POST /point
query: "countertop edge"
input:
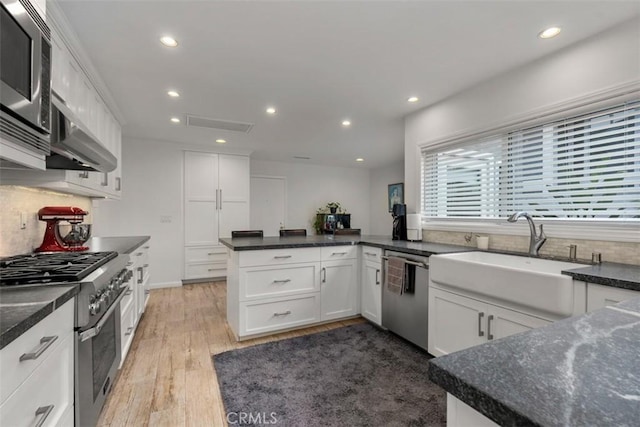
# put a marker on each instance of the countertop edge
(605, 281)
(10, 335)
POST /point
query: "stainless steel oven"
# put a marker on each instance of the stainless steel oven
(25, 55)
(98, 358)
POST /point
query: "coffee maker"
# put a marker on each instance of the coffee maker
(399, 214)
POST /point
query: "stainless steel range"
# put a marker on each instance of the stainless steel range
(103, 281)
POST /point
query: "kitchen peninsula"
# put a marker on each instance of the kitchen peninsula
(280, 283)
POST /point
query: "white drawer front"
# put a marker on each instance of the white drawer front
(369, 253)
(127, 331)
(276, 281)
(127, 300)
(278, 256)
(205, 271)
(205, 254)
(332, 253)
(50, 384)
(58, 324)
(265, 316)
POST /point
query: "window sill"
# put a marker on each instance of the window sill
(564, 229)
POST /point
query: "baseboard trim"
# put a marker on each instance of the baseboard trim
(164, 285)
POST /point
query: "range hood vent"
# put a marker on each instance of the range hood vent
(205, 122)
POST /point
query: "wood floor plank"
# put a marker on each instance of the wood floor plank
(173, 417)
(169, 391)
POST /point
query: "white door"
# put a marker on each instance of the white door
(268, 204)
(371, 291)
(455, 322)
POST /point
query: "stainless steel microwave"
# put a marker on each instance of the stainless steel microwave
(25, 69)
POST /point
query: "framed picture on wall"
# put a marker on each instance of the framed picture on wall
(395, 194)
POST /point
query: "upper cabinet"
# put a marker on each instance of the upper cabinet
(73, 85)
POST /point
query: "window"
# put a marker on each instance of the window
(581, 167)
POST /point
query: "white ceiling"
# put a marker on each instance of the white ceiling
(317, 62)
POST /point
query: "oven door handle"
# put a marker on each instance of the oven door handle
(90, 333)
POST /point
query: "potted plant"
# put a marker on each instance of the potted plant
(333, 207)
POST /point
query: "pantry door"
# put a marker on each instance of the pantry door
(268, 203)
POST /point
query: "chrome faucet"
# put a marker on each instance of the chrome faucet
(535, 240)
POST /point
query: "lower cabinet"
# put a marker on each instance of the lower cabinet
(371, 284)
(273, 290)
(457, 322)
(205, 262)
(599, 296)
(38, 376)
(140, 280)
(127, 325)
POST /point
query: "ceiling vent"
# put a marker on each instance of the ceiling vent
(205, 122)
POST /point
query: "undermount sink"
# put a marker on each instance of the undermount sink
(531, 282)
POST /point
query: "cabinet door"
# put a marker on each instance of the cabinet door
(502, 322)
(599, 296)
(455, 322)
(233, 192)
(201, 206)
(371, 291)
(339, 289)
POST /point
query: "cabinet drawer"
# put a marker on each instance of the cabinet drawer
(278, 256)
(205, 254)
(58, 324)
(51, 384)
(277, 281)
(370, 253)
(331, 253)
(127, 330)
(205, 271)
(128, 298)
(270, 315)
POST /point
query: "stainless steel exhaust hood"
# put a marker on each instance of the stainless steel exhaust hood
(73, 146)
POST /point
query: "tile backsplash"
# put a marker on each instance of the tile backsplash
(15, 200)
(622, 252)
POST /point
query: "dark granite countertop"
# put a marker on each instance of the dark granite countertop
(123, 245)
(23, 307)
(579, 371)
(625, 276)
(416, 248)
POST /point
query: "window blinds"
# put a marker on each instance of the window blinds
(586, 166)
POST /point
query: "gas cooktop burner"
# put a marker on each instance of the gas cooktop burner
(43, 267)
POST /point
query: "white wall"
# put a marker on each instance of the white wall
(606, 60)
(381, 221)
(151, 189)
(310, 187)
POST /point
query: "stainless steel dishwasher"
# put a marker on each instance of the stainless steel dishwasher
(407, 315)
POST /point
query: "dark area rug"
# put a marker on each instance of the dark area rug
(352, 376)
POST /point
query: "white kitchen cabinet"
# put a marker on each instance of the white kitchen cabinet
(40, 388)
(127, 327)
(339, 289)
(457, 322)
(599, 296)
(371, 284)
(216, 201)
(140, 281)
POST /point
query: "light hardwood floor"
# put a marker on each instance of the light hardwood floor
(168, 377)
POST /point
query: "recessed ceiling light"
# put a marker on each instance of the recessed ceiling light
(175, 120)
(173, 94)
(271, 110)
(413, 99)
(221, 141)
(549, 32)
(359, 159)
(168, 41)
(346, 123)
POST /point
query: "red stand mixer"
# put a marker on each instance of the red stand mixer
(64, 237)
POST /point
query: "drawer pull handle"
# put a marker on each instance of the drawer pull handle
(282, 256)
(145, 247)
(130, 263)
(489, 319)
(370, 253)
(211, 269)
(44, 411)
(128, 292)
(45, 343)
(480, 331)
(211, 253)
(284, 313)
(139, 254)
(129, 331)
(338, 253)
(324, 274)
(282, 281)
(377, 276)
